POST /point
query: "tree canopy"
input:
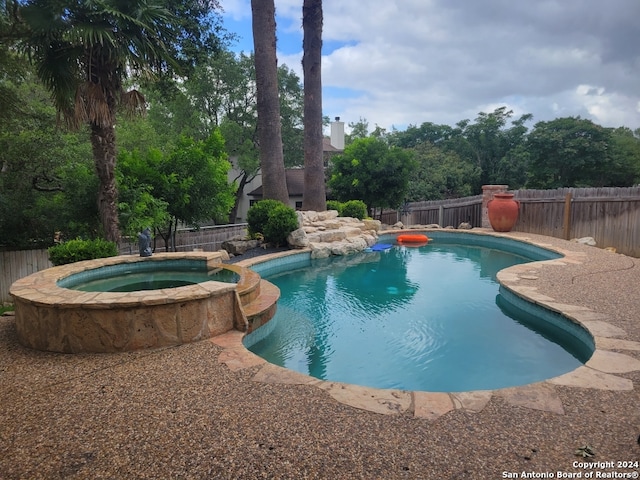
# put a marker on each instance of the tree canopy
(372, 171)
(568, 152)
(187, 184)
(85, 51)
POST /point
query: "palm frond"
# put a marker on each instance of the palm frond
(133, 102)
(85, 50)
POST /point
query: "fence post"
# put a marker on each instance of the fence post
(566, 223)
(488, 191)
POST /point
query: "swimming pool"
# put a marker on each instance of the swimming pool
(417, 318)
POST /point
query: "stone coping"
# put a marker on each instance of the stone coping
(598, 373)
(50, 317)
(41, 287)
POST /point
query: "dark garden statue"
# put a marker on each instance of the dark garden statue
(144, 242)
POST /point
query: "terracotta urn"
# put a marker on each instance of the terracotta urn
(503, 212)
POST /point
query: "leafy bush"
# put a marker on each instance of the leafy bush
(354, 208)
(282, 221)
(335, 205)
(78, 249)
(273, 220)
(258, 215)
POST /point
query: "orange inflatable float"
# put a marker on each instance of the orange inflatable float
(414, 238)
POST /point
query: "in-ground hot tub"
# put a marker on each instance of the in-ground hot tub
(129, 302)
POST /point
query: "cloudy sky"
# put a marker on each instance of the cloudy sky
(402, 62)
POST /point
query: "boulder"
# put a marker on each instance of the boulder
(307, 218)
(585, 241)
(372, 225)
(320, 250)
(327, 234)
(350, 231)
(369, 239)
(344, 248)
(298, 238)
(238, 247)
(328, 215)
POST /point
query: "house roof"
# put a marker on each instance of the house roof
(327, 147)
(295, 183)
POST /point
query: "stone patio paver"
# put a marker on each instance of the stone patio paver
(387, 402)
(432, 405)
(585, 377)
(538, 396)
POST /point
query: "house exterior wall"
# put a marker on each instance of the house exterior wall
(295, 201)
(244, 204)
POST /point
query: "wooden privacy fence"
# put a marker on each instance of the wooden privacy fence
(17, 264)
(207, 239)
(610, 215)
(450, 212)
(20, 263)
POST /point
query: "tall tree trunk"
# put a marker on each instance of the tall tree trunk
(315, 197)
(274, 184)
(103, 143)
(244, 179)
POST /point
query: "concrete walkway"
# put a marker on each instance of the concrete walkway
(214, 410)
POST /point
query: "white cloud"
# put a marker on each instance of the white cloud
(237, 9)
(442, 61)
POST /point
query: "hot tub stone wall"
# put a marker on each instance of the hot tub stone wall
(57, 319)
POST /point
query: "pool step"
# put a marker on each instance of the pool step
(249, 285)
(263, 307)
(258, 297)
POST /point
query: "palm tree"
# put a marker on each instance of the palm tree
(314, 188)
(83, 52)
(274, 185)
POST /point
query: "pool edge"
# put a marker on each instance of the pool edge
(598, 372)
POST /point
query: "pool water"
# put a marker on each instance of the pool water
(133, 280)
(425, 318)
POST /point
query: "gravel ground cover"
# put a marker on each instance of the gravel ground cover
(178, 413)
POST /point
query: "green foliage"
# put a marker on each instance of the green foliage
(196, 187)
(624, 158)
(188, 184)
(334, 205)
(273, 219)
(78, 250)
(568, 152)
(359, 129)
(372, 171)
(440, 174)
(140, 134)
(47, 179)
(140, 188)
(281, 222)
(258, 215)
(489, 143)
(354, 209)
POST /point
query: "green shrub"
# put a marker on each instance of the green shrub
(258, 215)
(335, 205)
(78, 249)
(354, 208)
(282, 221)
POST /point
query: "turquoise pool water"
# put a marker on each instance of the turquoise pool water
(430, 318)
(131, 277)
